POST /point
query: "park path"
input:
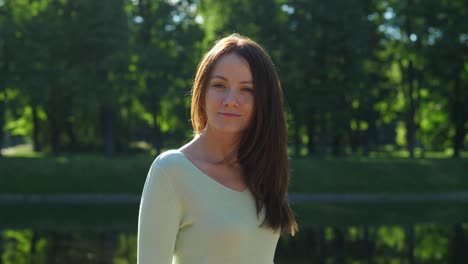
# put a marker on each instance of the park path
(459, 197)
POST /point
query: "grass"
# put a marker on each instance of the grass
(73, 174)
(377, 175)
(22, 171)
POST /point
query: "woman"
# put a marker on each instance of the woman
(222, 198)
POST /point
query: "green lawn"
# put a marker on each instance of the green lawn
(73, 174)
(87, 173)
(379, 175)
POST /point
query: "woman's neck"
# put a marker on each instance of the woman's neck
(217, 147)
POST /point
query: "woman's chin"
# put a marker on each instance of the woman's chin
(230, 130)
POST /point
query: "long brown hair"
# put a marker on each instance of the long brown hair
(262, 149)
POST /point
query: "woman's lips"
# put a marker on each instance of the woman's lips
(229, 115)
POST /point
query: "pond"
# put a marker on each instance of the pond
(329, 233)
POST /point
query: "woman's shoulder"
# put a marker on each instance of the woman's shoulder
(168, 158)
(172, 166)
(169, 161)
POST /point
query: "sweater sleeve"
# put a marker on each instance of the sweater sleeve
(158, 220)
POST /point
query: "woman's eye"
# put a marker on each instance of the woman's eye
(218, 85)
(250, 90)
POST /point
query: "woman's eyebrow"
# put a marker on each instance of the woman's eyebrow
(224, 78)
(220, 77)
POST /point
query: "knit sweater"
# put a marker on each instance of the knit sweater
(187, 217)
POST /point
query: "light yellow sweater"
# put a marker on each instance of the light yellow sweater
(186, 217)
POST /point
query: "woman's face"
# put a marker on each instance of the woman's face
(229, 98)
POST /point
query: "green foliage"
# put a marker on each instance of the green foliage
(97, 75)
(17, 249)
(392, 237)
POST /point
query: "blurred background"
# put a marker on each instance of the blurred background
(377, 105)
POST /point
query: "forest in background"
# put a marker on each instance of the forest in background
(358, 75)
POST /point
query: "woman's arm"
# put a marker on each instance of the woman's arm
(158, 220)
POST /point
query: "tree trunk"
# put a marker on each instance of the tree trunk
(323, 136)
(4, 72)
(366, 142)
(107, 121)
(459, 116)
(459, 138)
(370, 135)
(36, 143)
(355, 139)
(297, 140)
(157, 141)
(155, 108)
(54, 115)
(72, 145)
(2, 122)
(337, 149)
(324, 82)
(54, 132)
(410, 124)
(126, 127)
(311, 134)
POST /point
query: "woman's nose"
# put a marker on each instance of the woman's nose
(231, 97)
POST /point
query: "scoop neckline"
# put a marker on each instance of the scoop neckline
(207, 176)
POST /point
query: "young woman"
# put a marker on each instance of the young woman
(222, 197)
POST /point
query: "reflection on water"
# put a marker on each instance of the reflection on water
(418, 243)
(48, 246)
(329, 233)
